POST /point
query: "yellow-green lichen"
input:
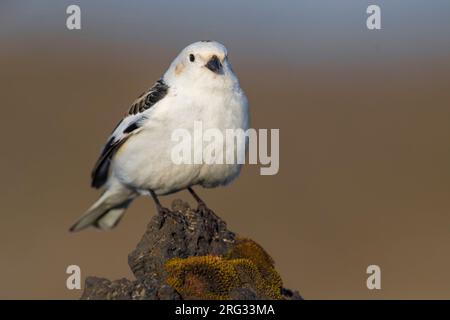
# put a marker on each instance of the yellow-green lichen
(214, 277)
(207, 277)
(248, 249)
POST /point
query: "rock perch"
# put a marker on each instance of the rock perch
(190, 254)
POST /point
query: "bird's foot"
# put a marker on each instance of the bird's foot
(202, 208)
(163, 210)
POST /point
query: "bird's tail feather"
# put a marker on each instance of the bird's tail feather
(111, 218)
(106, 212)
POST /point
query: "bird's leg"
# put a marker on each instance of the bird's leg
(201, 204)
(159, 207)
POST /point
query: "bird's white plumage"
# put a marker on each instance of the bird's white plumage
(194, 93)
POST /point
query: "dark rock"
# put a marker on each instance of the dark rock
(184, 233)
(104, 289)
(243, 294)
(290, 294)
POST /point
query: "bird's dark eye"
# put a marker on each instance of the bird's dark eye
(191, 58)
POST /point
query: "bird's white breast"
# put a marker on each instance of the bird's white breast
(144, 161)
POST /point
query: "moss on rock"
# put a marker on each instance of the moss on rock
(215, 277)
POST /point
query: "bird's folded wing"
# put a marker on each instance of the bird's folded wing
(124, 130)
(149, 98)
(101, 168)
(127, 127)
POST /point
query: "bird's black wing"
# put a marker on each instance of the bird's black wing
(149, 98)
(128, 126)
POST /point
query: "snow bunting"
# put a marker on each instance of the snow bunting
(199, 85)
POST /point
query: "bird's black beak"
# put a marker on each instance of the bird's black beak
(214, 65)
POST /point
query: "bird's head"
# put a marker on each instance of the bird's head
(203, 63)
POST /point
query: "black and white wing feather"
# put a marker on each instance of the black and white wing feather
(128, 126)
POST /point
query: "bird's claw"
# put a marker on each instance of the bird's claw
(163, 211)
(202, 208)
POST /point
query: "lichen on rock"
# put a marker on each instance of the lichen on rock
(247, 265)
(202, 277)
(190, 254)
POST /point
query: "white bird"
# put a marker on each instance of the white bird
(199, 85)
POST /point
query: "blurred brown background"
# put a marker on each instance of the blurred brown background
(364, 120)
